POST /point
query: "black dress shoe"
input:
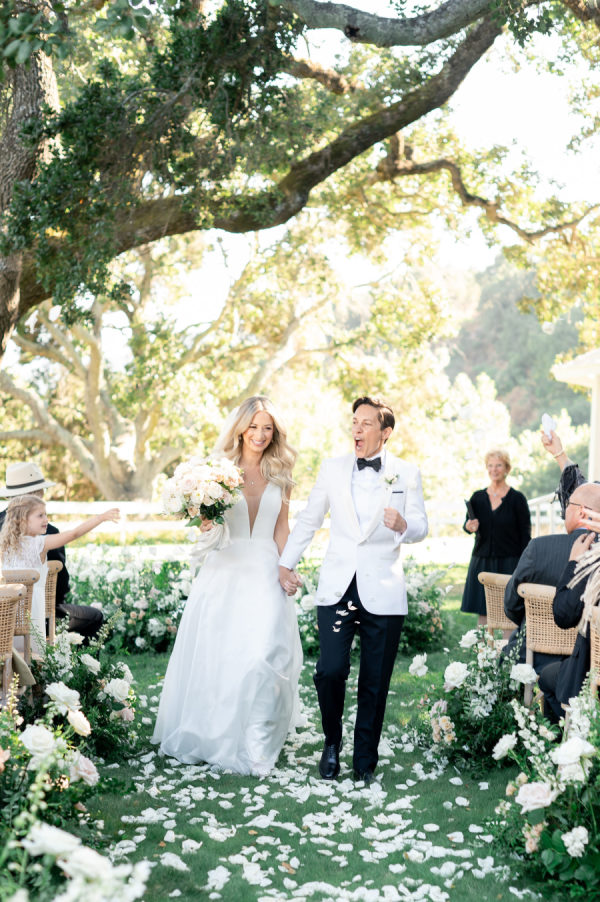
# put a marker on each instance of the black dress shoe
(329, 765)
(367, 776)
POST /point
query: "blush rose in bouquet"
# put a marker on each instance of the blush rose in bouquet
(202, 490)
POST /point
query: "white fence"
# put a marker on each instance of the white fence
(445, 518)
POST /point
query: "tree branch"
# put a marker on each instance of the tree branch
(368, 28)
(329, 78)
(26, 435)
(393, 167)
(238, 213)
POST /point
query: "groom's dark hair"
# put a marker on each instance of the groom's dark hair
(384, 413)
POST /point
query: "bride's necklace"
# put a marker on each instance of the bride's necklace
(248, 480)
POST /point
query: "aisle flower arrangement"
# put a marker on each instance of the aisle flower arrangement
(145, 599)
(70, 679)
(45, 781)
(466, 718)
(551, 816)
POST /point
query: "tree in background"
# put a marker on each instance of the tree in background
(127, 393)
(125, 122)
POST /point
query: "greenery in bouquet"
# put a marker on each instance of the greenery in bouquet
(423, 629)
(550, 819)
(149, 596)
(71, 679)
(466, 717)
(202, 489)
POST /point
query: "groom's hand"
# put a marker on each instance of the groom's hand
(393, 520)
(290, 581)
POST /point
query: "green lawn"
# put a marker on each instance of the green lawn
(416, 833)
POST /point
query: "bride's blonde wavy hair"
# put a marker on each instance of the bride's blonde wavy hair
(15, 523)
(278, 458)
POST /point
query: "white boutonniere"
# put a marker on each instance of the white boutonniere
(390, 480)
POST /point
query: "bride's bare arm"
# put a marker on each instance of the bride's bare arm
(282, 527)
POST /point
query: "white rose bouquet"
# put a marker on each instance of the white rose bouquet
(202, 490)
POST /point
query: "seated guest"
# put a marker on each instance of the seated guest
(576, 596)
(544, 561)
(27, 479)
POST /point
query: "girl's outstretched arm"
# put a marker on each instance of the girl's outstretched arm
(57, 540)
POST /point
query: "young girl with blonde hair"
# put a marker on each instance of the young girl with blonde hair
(24, 544)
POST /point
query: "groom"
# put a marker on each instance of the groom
(376, 504)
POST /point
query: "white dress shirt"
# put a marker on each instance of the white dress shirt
(367, 486)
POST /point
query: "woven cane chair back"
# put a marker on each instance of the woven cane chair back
(595, 646)
(27, 578)
(54, 568)
(543, 635)
(494, 585)
(10, 595)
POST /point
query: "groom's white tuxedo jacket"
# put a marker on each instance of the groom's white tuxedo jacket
(373, 553)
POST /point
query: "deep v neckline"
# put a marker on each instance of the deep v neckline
(262, 495)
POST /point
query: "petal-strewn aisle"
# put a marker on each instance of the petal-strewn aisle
(417, 833)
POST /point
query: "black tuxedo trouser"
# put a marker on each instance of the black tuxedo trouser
(379, 638)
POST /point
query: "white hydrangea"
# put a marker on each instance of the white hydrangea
(575, 841)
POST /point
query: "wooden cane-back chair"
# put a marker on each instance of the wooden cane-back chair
(595, 648)
(494, 585)
(23, 621)
(10, 596)
(543, 635)
(54, 568)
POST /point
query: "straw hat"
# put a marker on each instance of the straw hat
(24, 478)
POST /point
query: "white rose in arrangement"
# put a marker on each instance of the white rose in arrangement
(127, 674)
(454, 675)
(214, 492)
(38, 740)
(418, 666)
(79, 722)
(535, 795)
(92, 664)
(87, 864)
(523, 673)
(84, 769)
(469, 639)
(117, 689)
(74, 638)
(575, 841)
(66, 699)
(43, 839)
(307, 602)
(571, 751)
(504, 746)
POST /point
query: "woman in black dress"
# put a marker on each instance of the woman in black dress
(502, 526)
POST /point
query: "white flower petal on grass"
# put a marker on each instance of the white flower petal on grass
(456, 836)
(418, 666)
(218, 877)
(456, 781)
(460, 800)
(190, 845)
(431, 828)
(171, 860)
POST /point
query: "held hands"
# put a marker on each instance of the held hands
(472, 525)
(393, 520)
(206, 525)
(581, 545)
(290, 581)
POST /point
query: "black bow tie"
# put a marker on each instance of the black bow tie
(375, 463)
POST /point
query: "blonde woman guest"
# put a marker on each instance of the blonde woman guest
(25, 545)
(501, 524)
(231, 690)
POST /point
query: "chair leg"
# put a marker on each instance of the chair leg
(528, 692)
(27, 648)
(52, 628)
(6, 677)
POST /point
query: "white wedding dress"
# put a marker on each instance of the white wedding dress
(230, 695)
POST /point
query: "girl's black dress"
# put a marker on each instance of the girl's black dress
(502, 537)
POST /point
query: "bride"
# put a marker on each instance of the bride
(231, 690)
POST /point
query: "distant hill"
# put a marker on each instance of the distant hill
(515, 351)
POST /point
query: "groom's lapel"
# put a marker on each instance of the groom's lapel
(345, 487)
(385, 493)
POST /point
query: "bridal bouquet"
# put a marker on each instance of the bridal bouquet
(202, 490)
